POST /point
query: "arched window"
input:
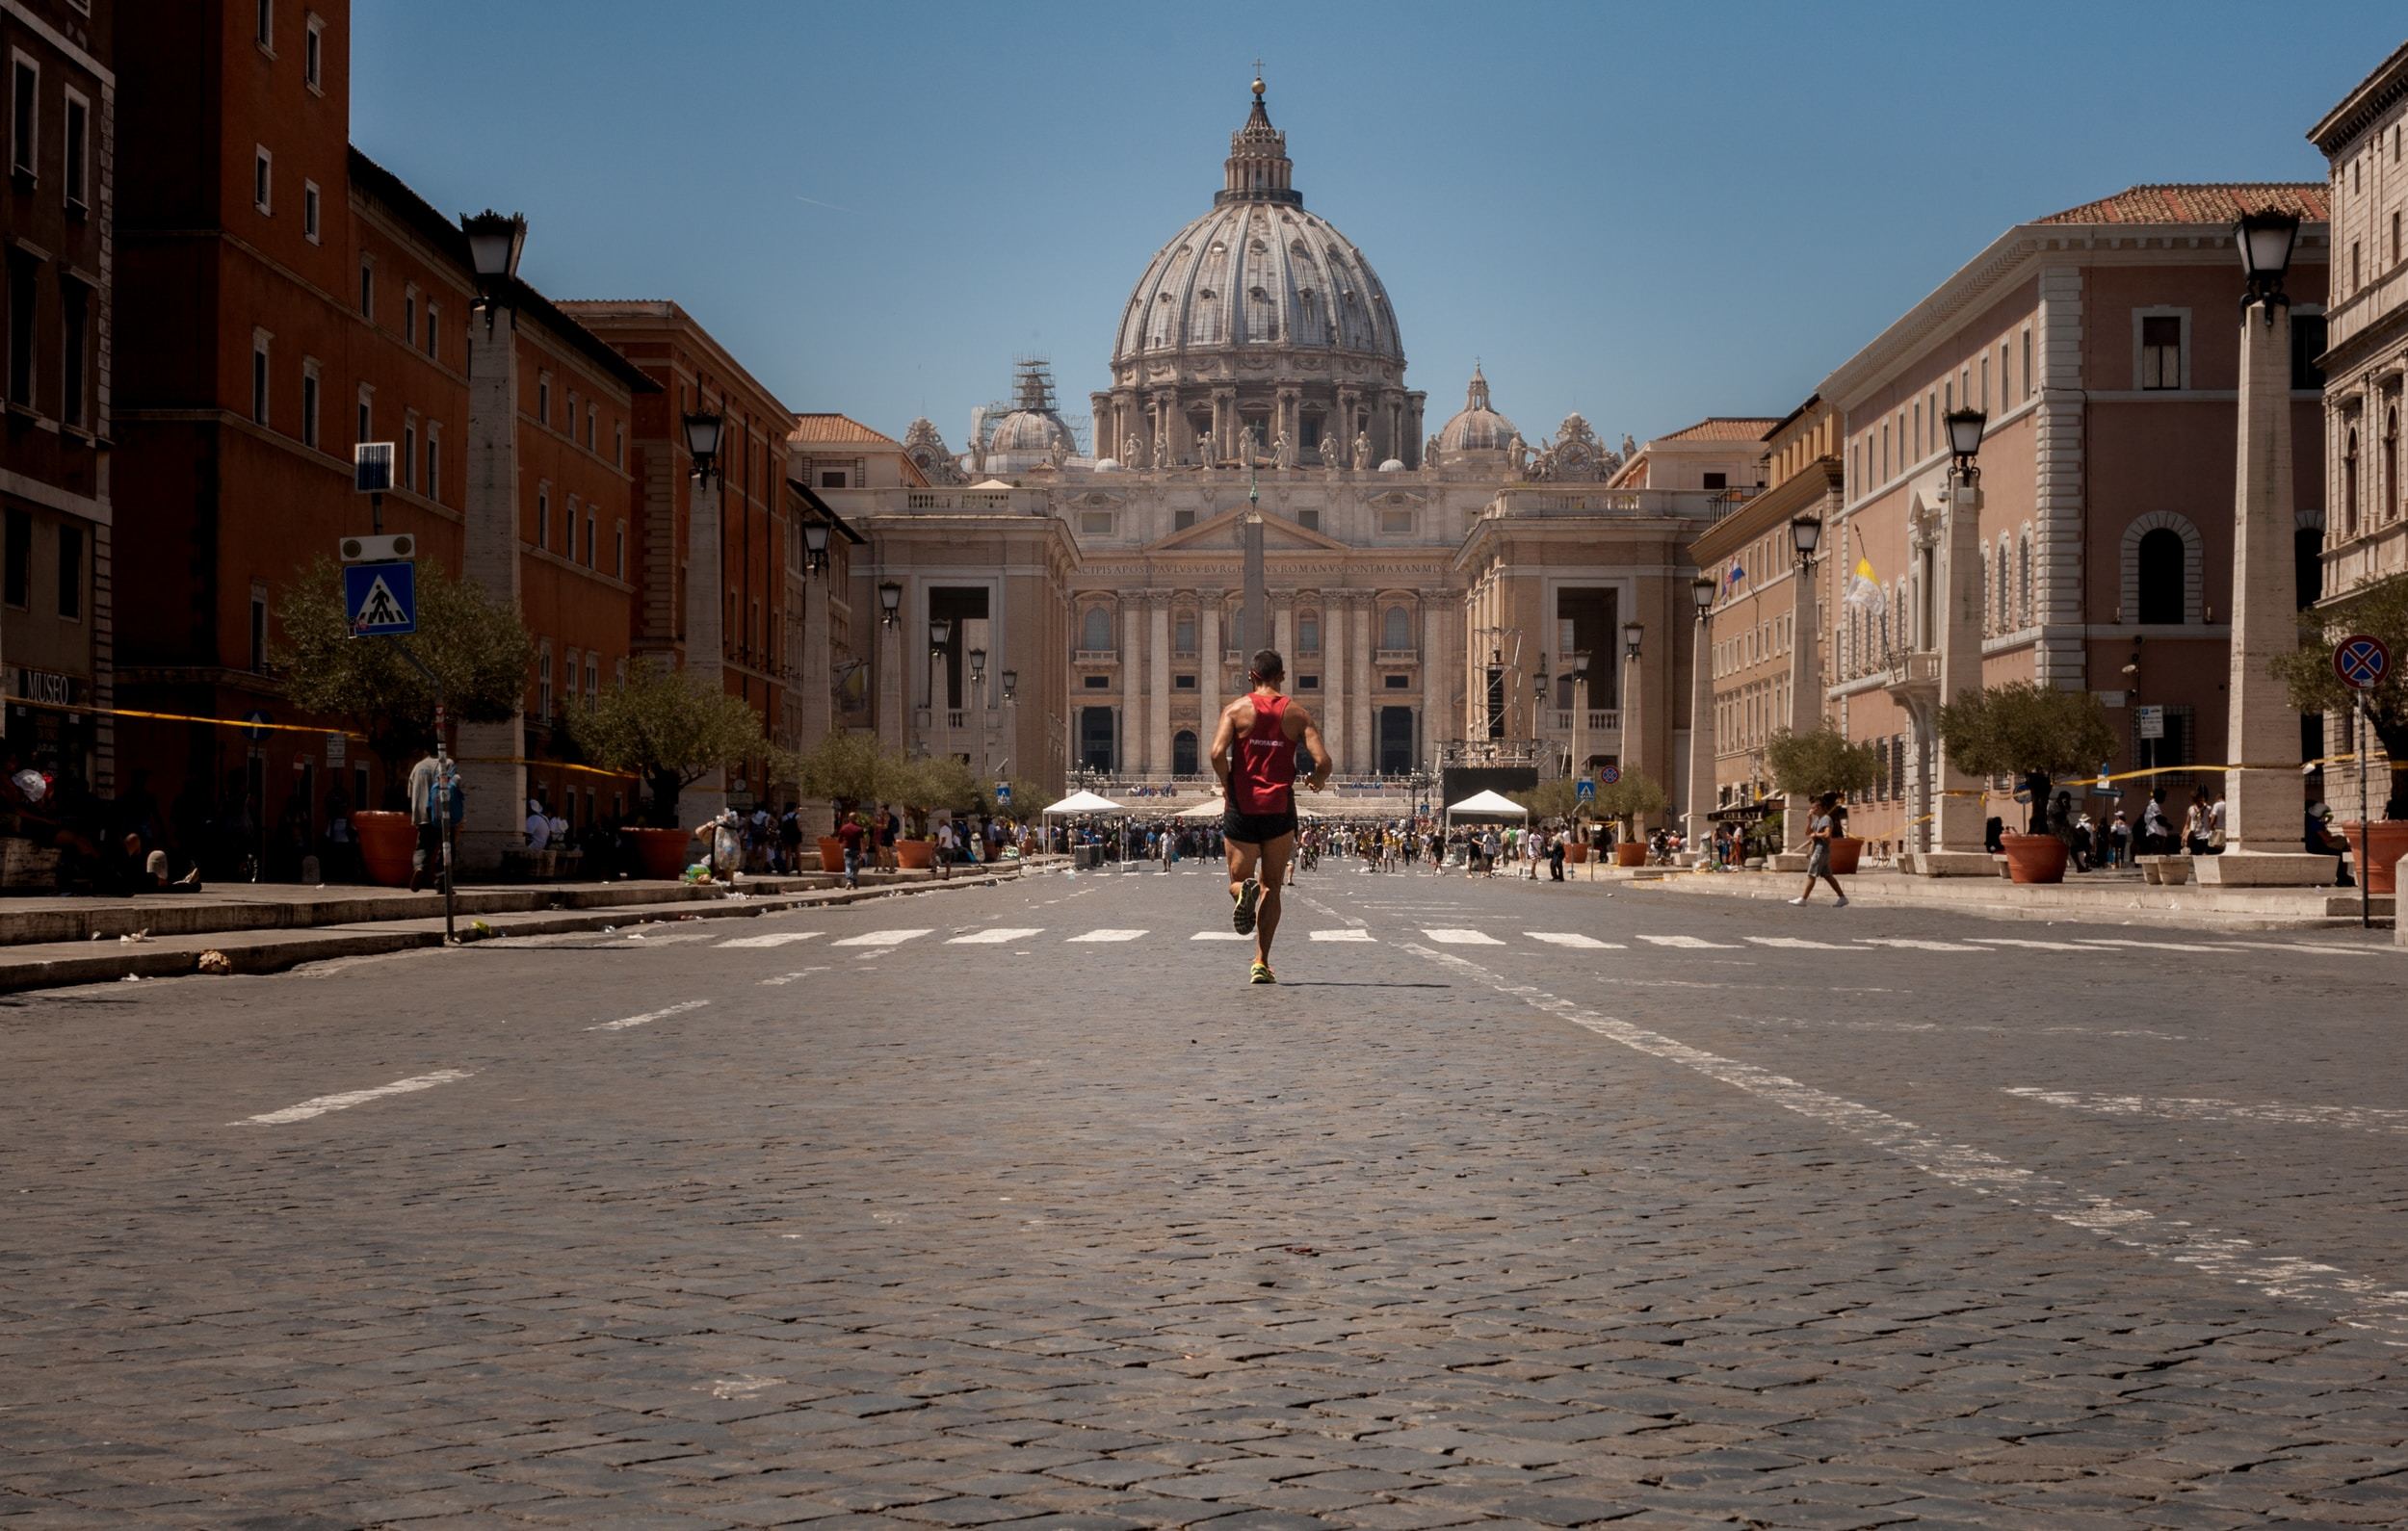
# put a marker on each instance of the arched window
(1308, 634)
(1992, 618)
(2387, 502)
(2007, 611)
(2022, 578)
(1183, 753)
(1098, 635)
(1183, 633)
(2159, 563)
(1396, 630)
(2350, 487)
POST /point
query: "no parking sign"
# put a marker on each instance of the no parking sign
(2361, 660)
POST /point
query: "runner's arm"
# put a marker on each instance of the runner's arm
(1225, 740)
(1309, 734)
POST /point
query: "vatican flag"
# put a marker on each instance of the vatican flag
(1864, 590)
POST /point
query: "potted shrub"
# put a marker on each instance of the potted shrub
(1551, 801)
(1631, 800)
(1824, 760)
(475, 645)
(2021, 729)
(2378, 609)
(920, 785)
(844, 769)
(671, 728)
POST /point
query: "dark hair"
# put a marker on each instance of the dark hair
(1828, 800)
(1267, 665)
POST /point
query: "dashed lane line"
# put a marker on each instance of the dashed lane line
(789, 977)
(996, 936)
(1464, 938)
(626, 1023)
(2192, 1108)
(320, 1106)
(1912, 945)
(880, 938)
(782, 938)
(1692, 942)
(1801, 944)
(1573, 938)
(2358, 1301)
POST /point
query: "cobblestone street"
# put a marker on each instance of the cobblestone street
(1512, 1202)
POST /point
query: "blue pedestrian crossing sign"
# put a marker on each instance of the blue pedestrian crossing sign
(380, 600)
(1003, 795)
(1584, 790)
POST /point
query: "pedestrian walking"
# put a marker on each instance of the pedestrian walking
(1828, 822)
(1254, 755)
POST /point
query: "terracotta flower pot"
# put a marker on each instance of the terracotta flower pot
(831, 853)
(2034, 858)
(661, 852)
(915, 855)
(1845, 851)
(1575, 852)
(386, 842)
(1629, 853)
(2380, 868)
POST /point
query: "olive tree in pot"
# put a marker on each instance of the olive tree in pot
(1824, 760)
(2020, 730)
(475, 645)
(844, 769)
(671, 728)
(2378, 609)
(1551, 801)
(1629, 800)
(920, 785)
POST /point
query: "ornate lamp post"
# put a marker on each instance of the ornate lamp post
(1805, 659)
(1701, 722)
(890, 671)
(2261, 798)
(815, 547)
(1633, 718)
(1579, 714)
(492, 772)
(1952, 798)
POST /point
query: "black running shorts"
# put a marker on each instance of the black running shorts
(1256, 829)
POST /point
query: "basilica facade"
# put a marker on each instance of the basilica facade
(1430, 591)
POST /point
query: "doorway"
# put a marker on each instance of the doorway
(1395, 740)
(1183, 753)
(1095, 737)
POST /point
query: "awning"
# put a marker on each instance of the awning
(1086, 802)
(1491, 803)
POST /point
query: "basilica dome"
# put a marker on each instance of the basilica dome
(1476, 428)
(1258, 273)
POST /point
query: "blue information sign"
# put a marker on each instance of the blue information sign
(1003, 795)
(1584, 790)
(380, 600)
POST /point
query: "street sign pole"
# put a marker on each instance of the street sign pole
(2362, 660)
(2366, 828)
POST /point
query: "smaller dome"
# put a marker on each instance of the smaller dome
(1393, 465)
(1031, 430)
(1107, 465)
(1475, 428)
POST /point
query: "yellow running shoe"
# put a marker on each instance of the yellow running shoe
(1261, 973)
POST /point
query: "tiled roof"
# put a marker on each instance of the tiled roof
(834, 429)
(1725, 427)
(2211, 203)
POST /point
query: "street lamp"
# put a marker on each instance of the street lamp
(1701, 701)
(702, 440)
(495, 242)
(940, 635)
(1702, 590)
(1805, 536)
(2265, 239)
(1011, 685)
(1631, 633)
(815, 546)
(1965, 429)
(977, 666)
(889, 603)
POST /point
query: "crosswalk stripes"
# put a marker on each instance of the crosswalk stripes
(1801, 944)
(778, 939)
(1918, 945)
(1691, 942)
(1569, 937)
(880, 937)
(1349, 934)
(1108, 934)
(1218, 935)
(995, 937)
(1464, 938)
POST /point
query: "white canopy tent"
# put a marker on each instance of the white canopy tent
(1084, 801)
(1209, 808)
(1489, 805)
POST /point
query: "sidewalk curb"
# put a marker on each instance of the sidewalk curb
(1779, 887)
(261, 951)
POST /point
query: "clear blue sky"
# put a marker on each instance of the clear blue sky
(1646, 212)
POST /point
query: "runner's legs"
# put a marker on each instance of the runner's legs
(1275, 854)
(1241, 860)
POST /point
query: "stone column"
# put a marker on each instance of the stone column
(1956, 804)
(1283, 631)
(1634, 718)
(1158, 681)
(1361, 687)
(1128, 758)
(1805, 693)
(706, 651)
(1207, 670)
(816, 705)
(2262, 802)
(891, 700)
(1701, 738)
(1436, 723)
(495, 785)
(1332, 707)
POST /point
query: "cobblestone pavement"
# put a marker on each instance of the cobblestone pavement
(1509, 1204)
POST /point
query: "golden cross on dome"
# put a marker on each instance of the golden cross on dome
(1258, 77)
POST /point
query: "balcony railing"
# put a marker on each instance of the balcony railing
(1395, 656)
(1095, 656)
(1601, 719)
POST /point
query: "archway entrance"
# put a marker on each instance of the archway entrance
(1395, 740)
(1183, 753)
(1095, 737)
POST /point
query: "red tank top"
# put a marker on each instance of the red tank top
(1262, 779)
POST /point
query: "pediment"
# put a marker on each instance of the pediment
(1222, 531)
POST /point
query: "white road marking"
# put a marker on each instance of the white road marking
(1801, 944)
(1954, 1028)
(320, 1106)
(783, 938)
(798, 972)
(2037, 946)
(1570, 938)
(2359, 1301)
(2190, 1108)
(2112, 942)
(670, 938)
(1691, 942)
(1464, 938)
(880, 937)
(1218, 935)
(1339, 935)
(1106, 935)
(650, 1016)
(995, 937)
(2307, 945)
(1918, 946)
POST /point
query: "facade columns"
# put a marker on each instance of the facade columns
(495, 784)
(1359, 685)
(1434, 688)
(1208, 669)
(2262, 796)
(1158, 671)
(1125, 757)
(1334, 655)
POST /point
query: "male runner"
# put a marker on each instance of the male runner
(1254, 756)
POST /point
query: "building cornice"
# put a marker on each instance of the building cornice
(2367, 101)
